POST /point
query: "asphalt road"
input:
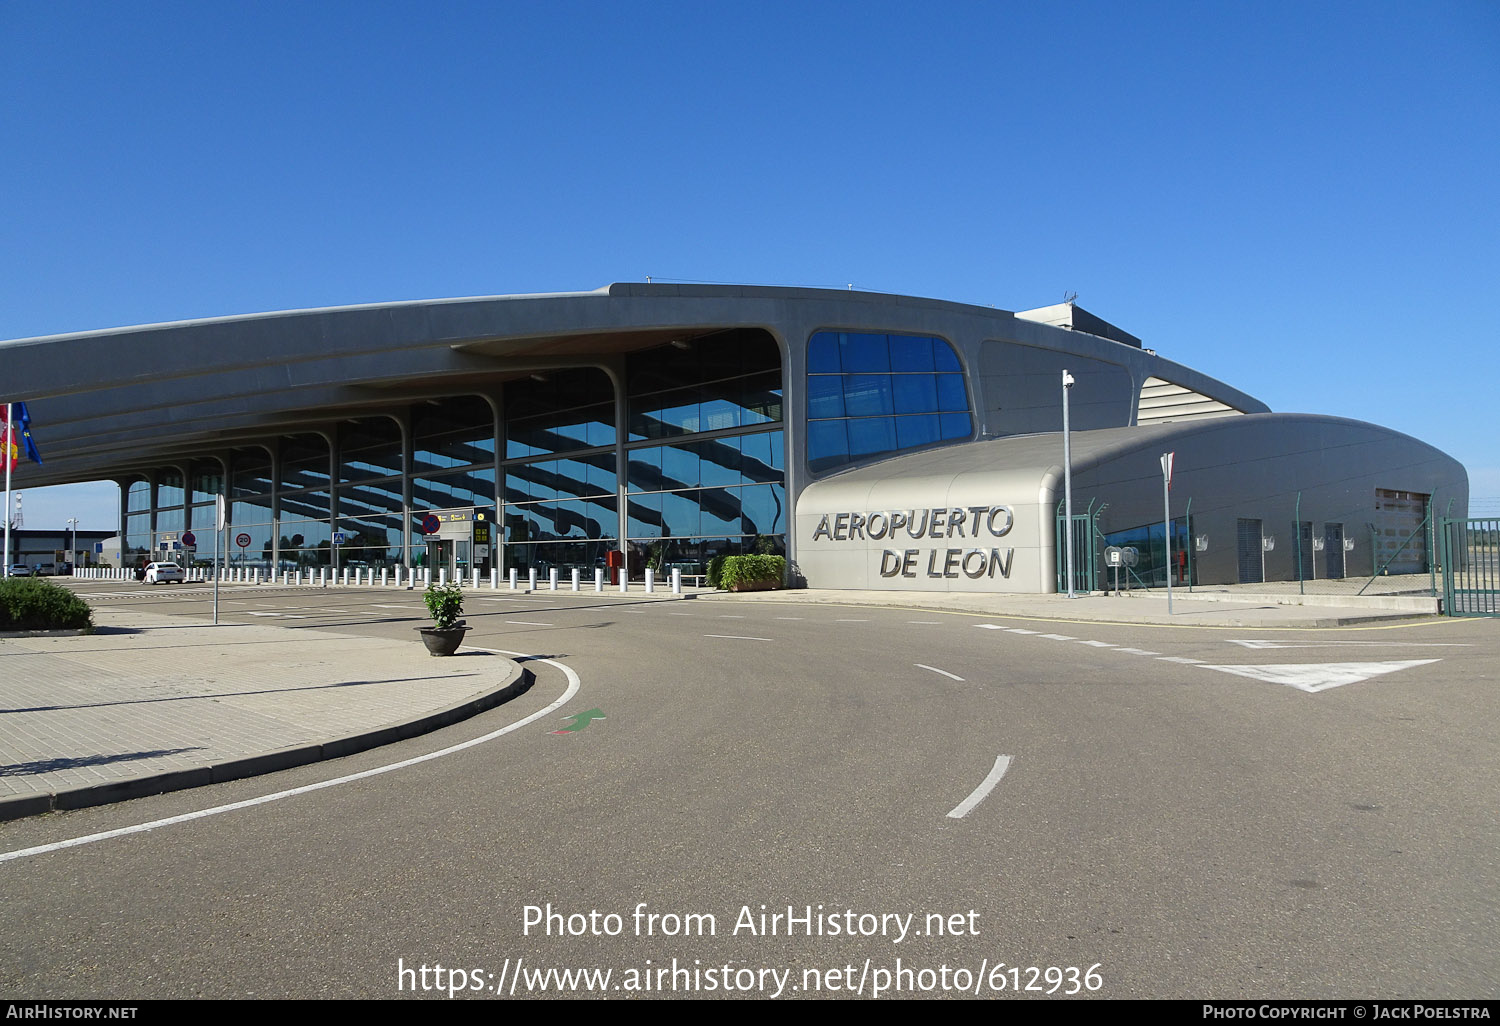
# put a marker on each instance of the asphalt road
(1297, 825)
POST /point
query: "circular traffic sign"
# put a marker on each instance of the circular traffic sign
(189, 538)
(242, 540)
(431, 524)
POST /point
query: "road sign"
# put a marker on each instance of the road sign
(189, 539)
(339, 537)
(242, 540)
(431, 524)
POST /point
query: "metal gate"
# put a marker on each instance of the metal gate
(1250, 556)
(1471, 566)
(1086, 538)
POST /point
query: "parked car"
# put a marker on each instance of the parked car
(164, 573)
(20, 570)
(44, 570)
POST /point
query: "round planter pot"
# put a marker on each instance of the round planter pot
(442, 641)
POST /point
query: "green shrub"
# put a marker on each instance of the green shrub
(751, 569)
(715, 568)
(32, 604)
(445, 603)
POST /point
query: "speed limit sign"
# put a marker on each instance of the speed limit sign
(242, 540)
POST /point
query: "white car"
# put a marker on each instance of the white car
(164, 573)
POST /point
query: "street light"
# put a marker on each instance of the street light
(73, 548)
(1067, 383)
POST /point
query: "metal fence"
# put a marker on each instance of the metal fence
(1471, 566)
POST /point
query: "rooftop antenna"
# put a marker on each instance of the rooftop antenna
(1069, 297)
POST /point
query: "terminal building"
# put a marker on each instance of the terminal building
(877, 441)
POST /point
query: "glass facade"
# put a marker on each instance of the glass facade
(876, 395)
(704, 465)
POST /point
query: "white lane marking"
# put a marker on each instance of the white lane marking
(963, 808)
(572, 689)
(679, 614)
(1098, 644)
(938, 622)
(1370, 644)
(730, 616)
(1181, 659)
(791, 618)
(1020, 630)
(1315, 677)
(851, 621)
(1137, 651)
(530, 623)
(736, 637)
(1059, 637)
(934, 669)
(991, 627)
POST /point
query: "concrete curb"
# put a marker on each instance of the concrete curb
(516, 681)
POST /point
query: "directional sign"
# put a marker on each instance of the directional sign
(580, 720)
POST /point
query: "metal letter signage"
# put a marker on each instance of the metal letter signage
(971, 527)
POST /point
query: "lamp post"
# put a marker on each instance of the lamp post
(73, 546)
(1067, 384)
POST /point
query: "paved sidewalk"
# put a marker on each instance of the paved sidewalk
(151, 704)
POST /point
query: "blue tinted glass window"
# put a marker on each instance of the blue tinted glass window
(825, 395)
(913, 353)
(868, 395)
(956, 425)
(952, 396)
(864, 354)
(827, 442)
(823, 354)
(870, 435)
(944, 358)
(915, 393)
(912, 432)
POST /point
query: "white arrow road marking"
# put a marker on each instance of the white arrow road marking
(1369, 644)
(980, 793)
(934, 669)
(1313, 677)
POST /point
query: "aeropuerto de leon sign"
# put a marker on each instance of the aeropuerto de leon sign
(938, 523)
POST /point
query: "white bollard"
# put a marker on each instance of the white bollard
(512, 578)
(531, 576)
(299, 578)
(677, 580)
(575, 578)
(476, 578)
(650, 579)
(624, 581)
(494, 579)
(442, 577)
(552, 578)
(384, 576)
(598, 578)
(399, 568)
(427, 576)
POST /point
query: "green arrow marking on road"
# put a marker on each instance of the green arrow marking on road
(580, 720)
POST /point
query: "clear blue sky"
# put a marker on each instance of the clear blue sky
(1298, 198)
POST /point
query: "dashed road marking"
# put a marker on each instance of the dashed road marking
(736, 637)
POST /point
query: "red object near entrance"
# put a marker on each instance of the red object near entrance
(615, 561)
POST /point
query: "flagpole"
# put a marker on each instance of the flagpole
(9, 436)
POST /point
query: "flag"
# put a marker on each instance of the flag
(9, 450)
(23, 417)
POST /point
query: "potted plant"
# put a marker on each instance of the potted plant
(446, 605)
(752, 573)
